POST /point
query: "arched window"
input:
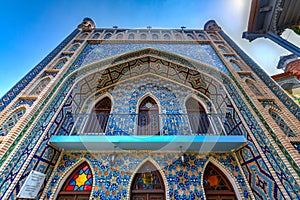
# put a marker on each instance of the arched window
(190, 37)
(119, 36)
(216, 185)
(60, 64)
(178, 37)
(201, 37)
(148, 117)
(214, 37)
(83, 35)
(147, 184)
(74, 47)
(96, 36)
(40, 86)
(98, 119)
(154, 37)
(107, 36)
(11, 121)
(131, 36)
(198, 118)
(282, 124)
(223, 49)
(167, 37)
(235, 65)
(79, 184)
(143, 36)
(253, 88)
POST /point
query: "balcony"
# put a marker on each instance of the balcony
(204, 132)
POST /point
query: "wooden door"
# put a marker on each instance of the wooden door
(148, 196)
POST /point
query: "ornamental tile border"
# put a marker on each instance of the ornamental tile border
(15, 90)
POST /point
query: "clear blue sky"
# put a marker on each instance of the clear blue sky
(31, 29)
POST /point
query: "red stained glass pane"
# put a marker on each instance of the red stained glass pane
(69, 187)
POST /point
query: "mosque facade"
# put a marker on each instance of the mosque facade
(148, 114)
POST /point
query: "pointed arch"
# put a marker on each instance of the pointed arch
(60, 63)
(281, 123)
(148, 117)
(83, 35)
(143, 36)
(236, 65)
(40, 86)
(96, 36)
(201, 36)
(120, 36)
(155, 36)
(178, 36)
(223, 49)
(107, 36)
(12, 120)
(99, 115)
(166, 36)
(77, 183)
(218, 182)
(190, 37)
(197, 115)
(74, 47)
(214, 37)
(131, 36)
(253, 88)
(148, 181)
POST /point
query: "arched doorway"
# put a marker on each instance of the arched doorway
(148, 117)
(198, 118)
(78, 185)
(98, 119)
(216, 184)
(147, 184)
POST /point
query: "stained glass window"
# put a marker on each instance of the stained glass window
(81, 180)
(147, 178)
(216, 183)
(79, 185)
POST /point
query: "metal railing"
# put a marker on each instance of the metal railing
(148, 124)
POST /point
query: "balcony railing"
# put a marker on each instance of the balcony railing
(151, 124)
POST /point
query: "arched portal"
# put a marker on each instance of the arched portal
(78, 185)
(216, 184)
(147, 184)
(148, 117)
(98, 119)
(198, 118)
